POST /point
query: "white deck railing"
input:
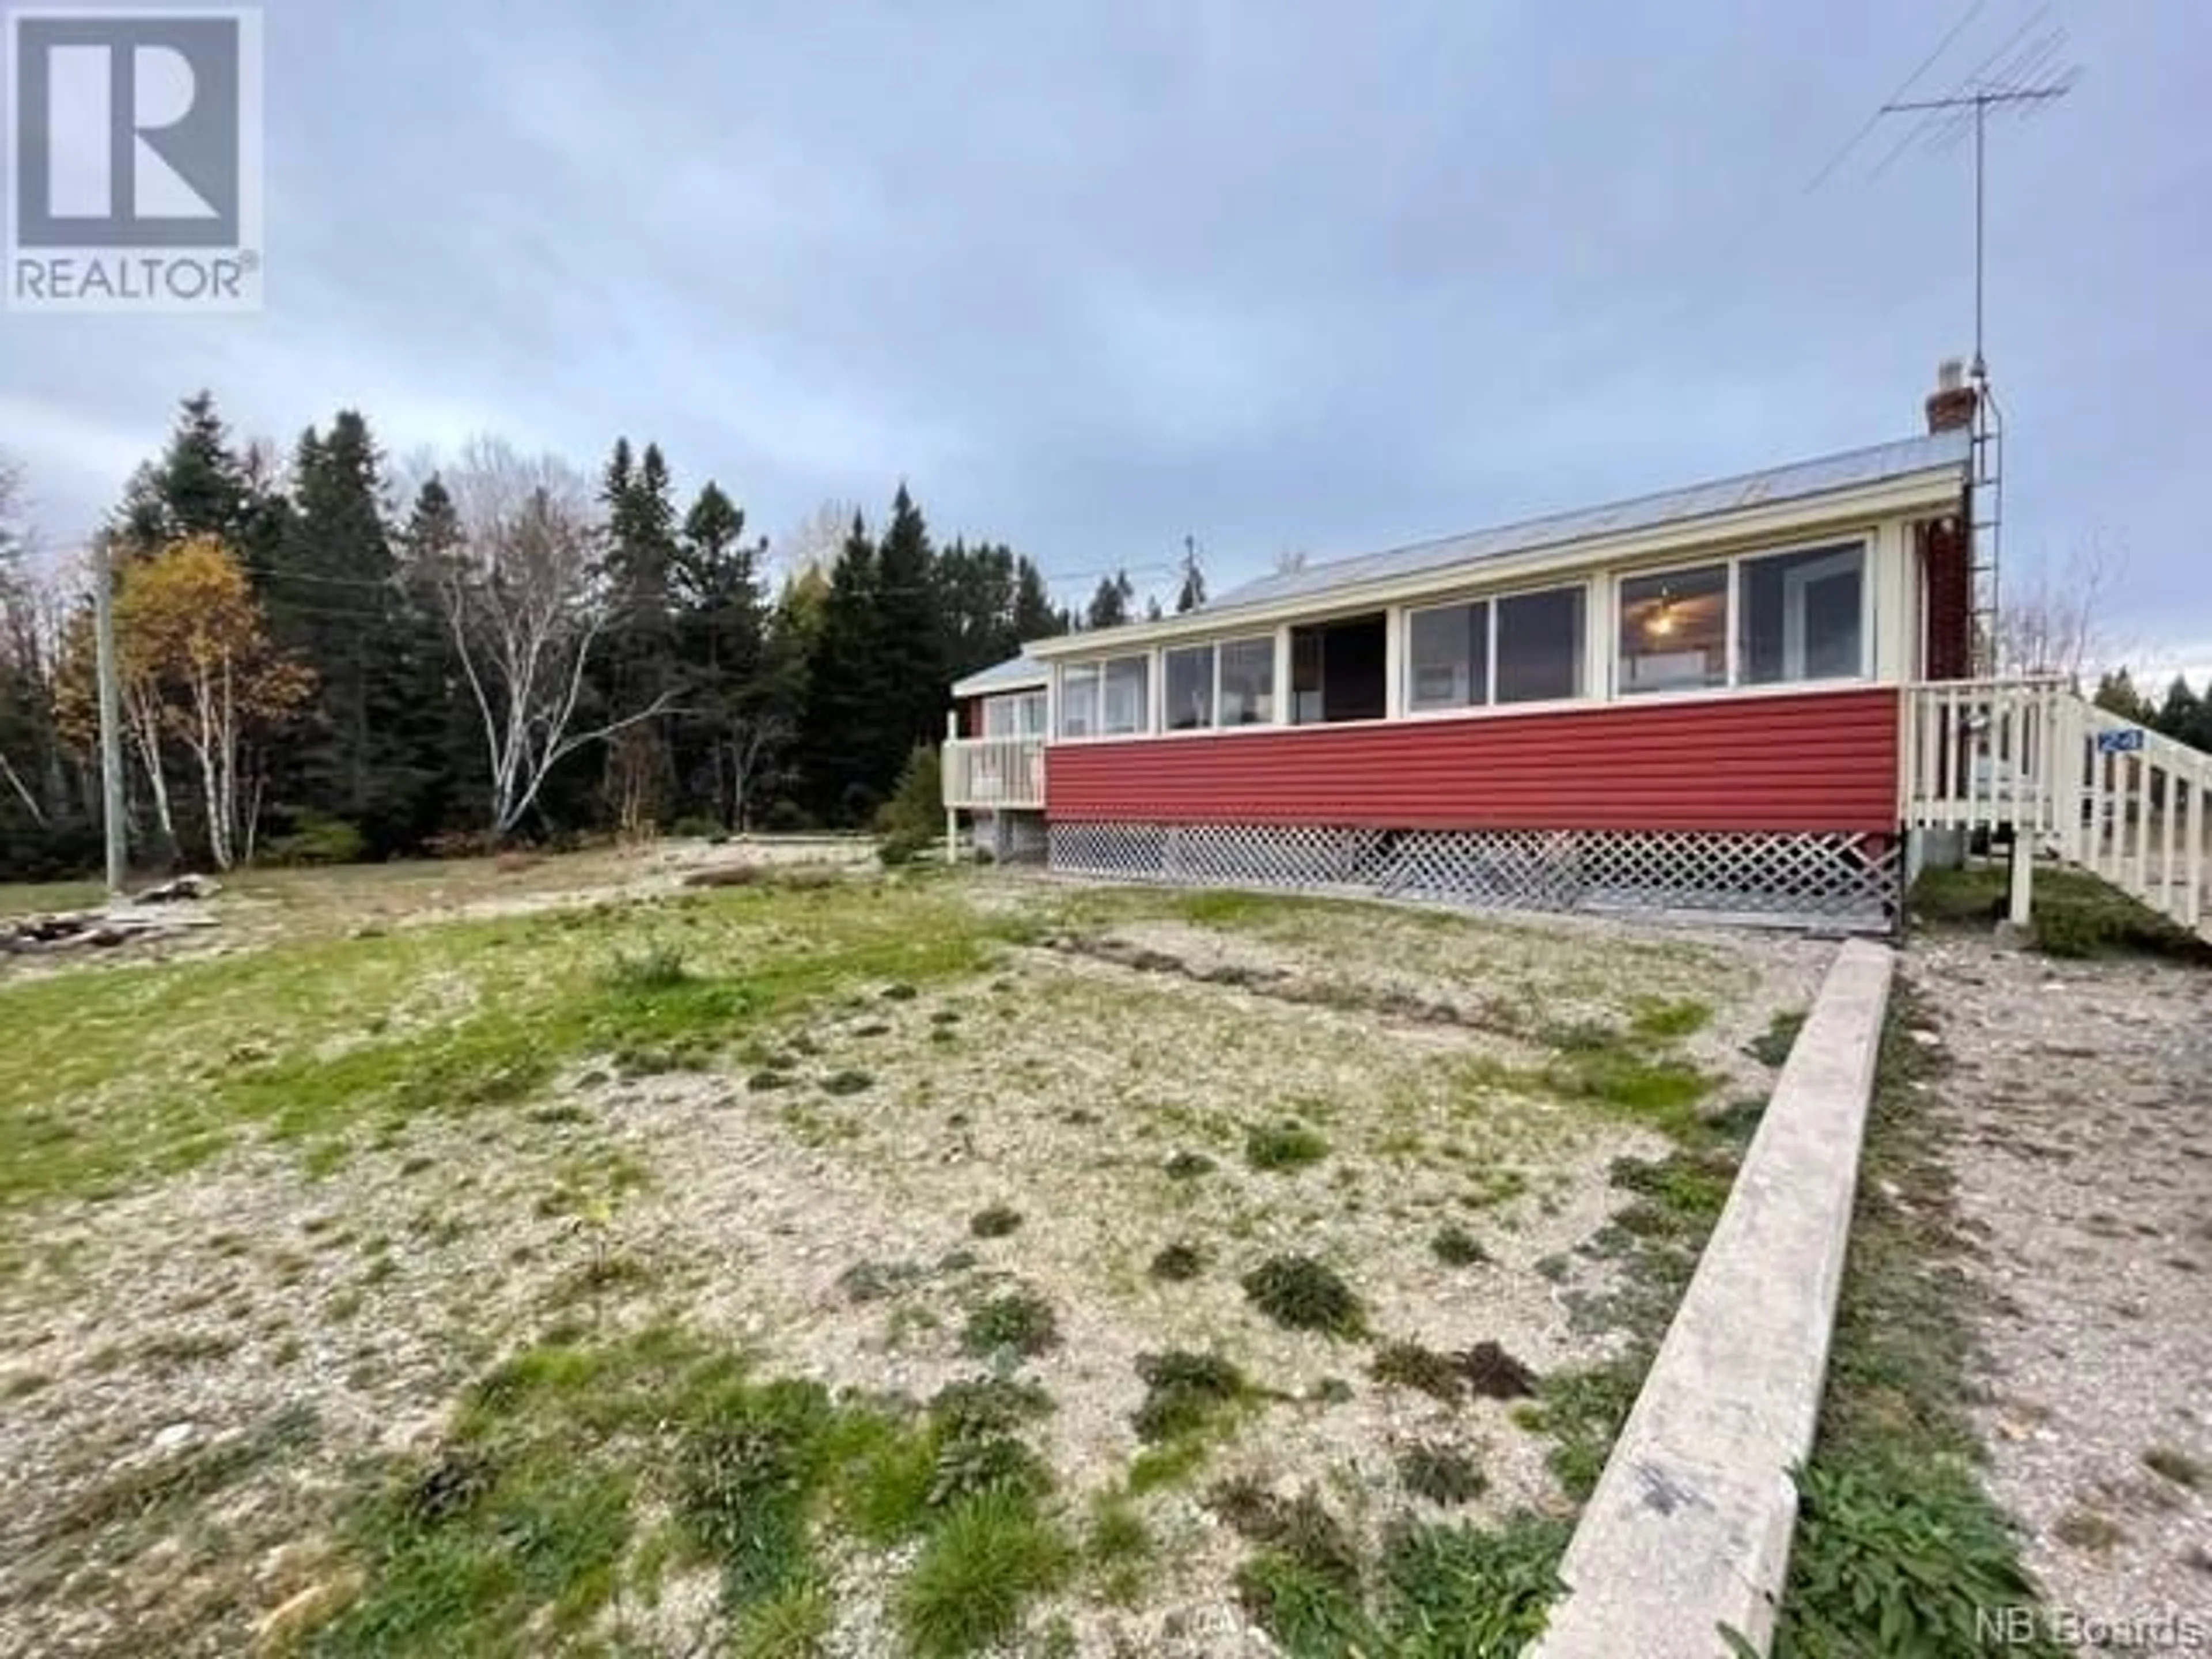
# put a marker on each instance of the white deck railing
(2093, 789)
(992, 773)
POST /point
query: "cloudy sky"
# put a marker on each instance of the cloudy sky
(1094, 277)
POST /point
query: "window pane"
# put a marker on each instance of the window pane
(1673, 631)
(1030, 721)
(1190, 688)
(1125, 708)
(1247, 683)
(998, 717)
(1448, 657)
(1078, 702)
(1802, 616)
(1540, 646)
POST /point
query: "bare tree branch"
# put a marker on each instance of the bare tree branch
(2055, 622)
(523, 601)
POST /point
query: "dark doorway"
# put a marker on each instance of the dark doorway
(1338, 671)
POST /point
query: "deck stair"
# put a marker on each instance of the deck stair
(2034, 762)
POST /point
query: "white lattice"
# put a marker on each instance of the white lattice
(1794, 878)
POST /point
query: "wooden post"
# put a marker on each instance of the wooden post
(2023, 873)
(951, 813)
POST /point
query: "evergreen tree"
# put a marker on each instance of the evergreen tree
(640, 667)
(909, 644)
(733, 724)
(846, 689)
(2116, 692)
(1109, 605)
(978, 586)
(2184, 716)
(330, 585)
(1036, 617)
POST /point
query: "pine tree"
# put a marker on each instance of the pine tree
(1109, 605)
(1036, 617)
(734, 723)
(846, 689)
(2116, 692)
(909, 644)
(640, 667)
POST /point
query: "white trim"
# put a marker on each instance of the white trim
(1811, 520)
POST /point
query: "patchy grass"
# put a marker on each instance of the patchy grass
(1185, 1395)
(975, 1575)
(1283, 1146)
(1302, 1294)
(2171, 1463)
(1771, 1047)
(1019, 1323)
(1899, 1543)
(2073, 915)
(1441, 1474)
(167, 1067)
(1455, 1247)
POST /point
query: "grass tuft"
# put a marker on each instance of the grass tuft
(995, 1222)
(1455, 1247)
(1018, 1322)
(976, 1575)
(1178, 1262)
(1185, 1394)
(1441, 1474)
(1302, 1294)
(1283, 1146)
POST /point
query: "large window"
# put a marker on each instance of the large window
(1675, 630)
(1016, 715)
(1248, 682)
(1190, 688)
(1078, 700)
(1124, 707)
(1540, 646)
(1448, 657)
(1802, 616)
(1337, 672)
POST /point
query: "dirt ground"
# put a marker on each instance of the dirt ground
(2081, 1096)
(208, 1354)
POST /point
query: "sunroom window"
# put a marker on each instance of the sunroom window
(1540, 646)
(1078, 700)
(1123, 708)
(1675, 630)
(1190, 688)
(1802, 616)
(1248, 682)
(1448, 657)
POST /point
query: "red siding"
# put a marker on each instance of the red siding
(1812, 761)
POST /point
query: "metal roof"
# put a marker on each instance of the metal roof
(1853, 470)
(1008, 676)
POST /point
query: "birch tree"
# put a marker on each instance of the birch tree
(13, 599)
(519, 583)
(198, 665)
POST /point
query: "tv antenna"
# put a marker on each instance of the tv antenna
(2021, 77)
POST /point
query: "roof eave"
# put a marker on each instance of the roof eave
(1933, 487)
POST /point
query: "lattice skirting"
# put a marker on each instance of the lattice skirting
(1823, 879)
(1012, 837)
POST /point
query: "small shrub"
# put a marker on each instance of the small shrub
(315, 838)
(1410, 1365)
(694, 826)
(767, 1081)
(1178, 1262)
(1188, 1166)
(1302, 1294)
(1457, 1247)
(1493, 1374)
(987, 1404)
(967, 1590)
(1183, 1393)
(996, 1222)
(911, 822)
(1018, 1323)
(1441, 1474)
(1283, 1146)
(846, 1082)
(657, 968)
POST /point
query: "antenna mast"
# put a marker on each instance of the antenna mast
(2020, 78)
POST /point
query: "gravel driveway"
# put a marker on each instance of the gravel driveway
(2082, 1098)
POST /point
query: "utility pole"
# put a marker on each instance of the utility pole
(111, 713)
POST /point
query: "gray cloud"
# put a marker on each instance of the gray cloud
(1323, 277)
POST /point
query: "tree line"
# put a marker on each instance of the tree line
(320, 660)
(2181, 713)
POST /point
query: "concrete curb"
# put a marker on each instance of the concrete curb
(1690, 1528)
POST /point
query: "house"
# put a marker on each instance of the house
(1724, 700)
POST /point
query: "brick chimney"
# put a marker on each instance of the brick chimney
(1952, 404)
